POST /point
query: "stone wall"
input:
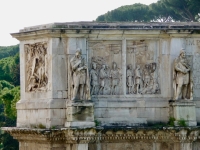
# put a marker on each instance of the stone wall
(92, 85)
(117, 101)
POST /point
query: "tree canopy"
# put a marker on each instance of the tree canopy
(138, 12)
(162, 11)
(9, 93)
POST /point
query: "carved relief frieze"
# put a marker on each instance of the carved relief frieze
(196, 75)
(36, 60)
(106, 59)
(136, 139)
(142, 68)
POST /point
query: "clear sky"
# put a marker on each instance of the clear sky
(17, 14)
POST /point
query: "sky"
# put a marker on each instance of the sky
(17, 14)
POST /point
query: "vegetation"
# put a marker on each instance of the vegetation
(182, 123)
(171, 121)
(162, 11)
(9, 93)
(6, 51)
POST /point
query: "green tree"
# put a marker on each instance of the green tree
(187, 9)
(10, 70)
(9, 96)
(9, 93)
(136, 12)
(6, 51)
(162, 11)
(159, 12)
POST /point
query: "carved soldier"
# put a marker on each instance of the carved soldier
(102, 78)
(181, 76)
(94, 78)
(137, 78)
(146, 76)
(80, 77)
(129, 76)
(115, 78)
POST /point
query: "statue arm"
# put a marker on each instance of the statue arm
(82, 68)
(75, 65)
(178, 69)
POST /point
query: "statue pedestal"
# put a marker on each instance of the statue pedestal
(183, 110)
(79, 114)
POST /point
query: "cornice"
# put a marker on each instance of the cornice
(90, 135)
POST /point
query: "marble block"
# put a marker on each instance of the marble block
(80, 114)
(183, 110)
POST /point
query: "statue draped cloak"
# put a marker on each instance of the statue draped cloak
(190, 84)
(86, 94)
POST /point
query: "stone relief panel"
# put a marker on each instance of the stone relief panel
(196, 75)
(142, 75)
(192, 49)
(36, 59)
(105, 67)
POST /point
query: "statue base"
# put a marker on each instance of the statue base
(80, 114)
(183, 111)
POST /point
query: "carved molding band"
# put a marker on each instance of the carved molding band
(91, 135)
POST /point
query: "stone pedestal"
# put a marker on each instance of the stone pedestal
(183, 110)
(80, 114)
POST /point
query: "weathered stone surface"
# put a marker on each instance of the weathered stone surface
(183, 110)
(127, 71)
(107, 139)
(80, 114)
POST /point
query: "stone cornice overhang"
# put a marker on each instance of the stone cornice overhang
(102, 30)
(91, 135)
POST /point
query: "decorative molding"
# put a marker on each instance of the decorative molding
(90, 135)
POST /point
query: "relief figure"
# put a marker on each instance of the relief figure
(182, 75)
(36, 67)
(129, 76)
(137, 78)
(115, 78)
(94, 78)
(80, 77)
(102, 78)
(152, 88)
(146, 76)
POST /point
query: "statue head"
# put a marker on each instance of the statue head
(94, 65)
(182, 53)
(138, 66)
(78, 52)
(103, 66)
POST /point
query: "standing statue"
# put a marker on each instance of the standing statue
(102, 78)
(181, 75)
(94, 78)
(129, 76)
(80, 77)
(137, 78)
(115, 78)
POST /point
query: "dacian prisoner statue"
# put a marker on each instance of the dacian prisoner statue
(80, 77)
(182, 82)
